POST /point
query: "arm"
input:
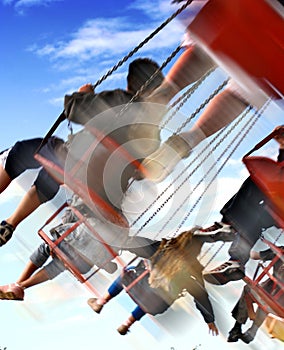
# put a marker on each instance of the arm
(212, 328)
(76, 103)
(264, 255)
(201, 299)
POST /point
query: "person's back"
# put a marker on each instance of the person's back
(105, 170)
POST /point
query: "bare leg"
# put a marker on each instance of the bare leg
(29, 269)
(39, 277)
(222, 110)
(189, 67)
(4, 179)
(28, 204)
(15, 291)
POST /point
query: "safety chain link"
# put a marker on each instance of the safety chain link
(139, 46)
(178, 176)
(180, 102)
(143, 87)
(198, 200)
(203, 104)
(208, 171)
(222, 166)
(249, 128)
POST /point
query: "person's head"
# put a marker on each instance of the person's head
(139, 71)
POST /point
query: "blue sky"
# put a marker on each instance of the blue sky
(49, 49)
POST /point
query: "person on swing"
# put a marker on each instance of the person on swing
(247, 215)
(223, 108)
(240, 311)
(173, 268)
(80, 107)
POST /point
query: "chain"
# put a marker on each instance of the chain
(206, 174)
(185, 97)
(214, 255)
(143, 87)
(174, 180)
(219, 249)
(257, 115)
(224, 163)
(203, 104)
(279, 235)
(140, 45)
(186, 179)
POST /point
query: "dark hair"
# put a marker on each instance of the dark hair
(139, 71)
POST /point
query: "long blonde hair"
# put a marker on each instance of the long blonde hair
(172, 256)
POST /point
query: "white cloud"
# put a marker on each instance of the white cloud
(21, 5)
(160, 9)
(30, 3)
(101, 38)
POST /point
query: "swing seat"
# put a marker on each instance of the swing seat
(83, 252)
(75, 178)
(269, 177)
(246, 38)
(272, 301)
(135, 283)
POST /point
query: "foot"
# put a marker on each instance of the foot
(157, 166)
(92, 302)
(247, 337)
(12, 292)
(229, 271)
(234, 335)
(218, 232)
(123, 329)
(6, 232)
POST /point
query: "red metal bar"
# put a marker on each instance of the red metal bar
(263, 299)
(96, 203)
(132, 284)
(112, 145)
(66, 261)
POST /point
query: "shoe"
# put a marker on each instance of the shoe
(218, 232)
(229, 271)
(157, 166)
(234, 335)
(123, 329)
(92, 302)
(247, 337)
(12, 292)
(6, 232)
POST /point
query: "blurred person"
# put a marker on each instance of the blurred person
(223, 108)
(80, 107)
(240, 311)
(173, 268)
(247, 214)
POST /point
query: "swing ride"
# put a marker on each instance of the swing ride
(218, 24)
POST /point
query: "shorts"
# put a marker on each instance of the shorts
(41, 255)
(20, 158)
